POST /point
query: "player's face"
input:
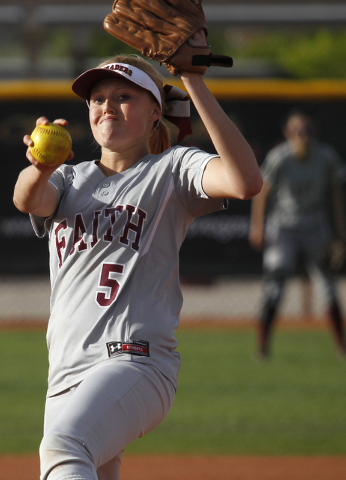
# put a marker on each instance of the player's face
(121, 114)
(298, 133)
(298, 129)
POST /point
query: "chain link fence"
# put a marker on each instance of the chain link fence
(24, 300)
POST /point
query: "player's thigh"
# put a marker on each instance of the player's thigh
(280, 253)
(54, 406)
(113, 406)
(316, 244)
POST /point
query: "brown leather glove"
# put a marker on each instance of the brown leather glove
(161, 30)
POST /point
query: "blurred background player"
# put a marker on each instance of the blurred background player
(290, 219)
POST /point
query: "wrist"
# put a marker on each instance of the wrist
(191, 78)
(42, 172)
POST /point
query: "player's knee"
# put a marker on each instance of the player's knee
(62, 455)
(273, 290)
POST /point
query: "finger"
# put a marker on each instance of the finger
(30, 157)
(38, 165)
(61, 121)
(27, 140)
(71, 155)
(198, 39)
(42, 121)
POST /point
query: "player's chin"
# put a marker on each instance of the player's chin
(105, 129)
(107, 137)
(110, 143)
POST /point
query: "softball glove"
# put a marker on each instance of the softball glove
(162, 31)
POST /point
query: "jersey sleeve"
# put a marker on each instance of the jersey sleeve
(188, 168)
(61, 179)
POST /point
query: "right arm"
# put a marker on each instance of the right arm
(33, 193)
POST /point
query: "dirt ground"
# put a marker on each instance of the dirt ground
(200, 468)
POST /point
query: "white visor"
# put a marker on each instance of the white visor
(84, 83)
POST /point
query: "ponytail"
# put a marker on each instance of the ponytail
(160, 139)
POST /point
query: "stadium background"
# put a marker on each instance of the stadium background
(221, 274)
(219, 269)
(217, 263)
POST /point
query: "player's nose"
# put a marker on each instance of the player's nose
(109, 107)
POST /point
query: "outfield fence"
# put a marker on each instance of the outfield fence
(221, 273)
(26, 299)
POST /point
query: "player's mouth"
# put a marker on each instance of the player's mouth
(109, 118)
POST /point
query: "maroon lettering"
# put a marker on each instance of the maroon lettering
(132, 226)
(79, 231)
(60, 244)
(95, 227)
(108, 283)
(82, 240)
(111, 212)
(119, 68)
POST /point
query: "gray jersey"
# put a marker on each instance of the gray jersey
(300, 189)
(114, 251)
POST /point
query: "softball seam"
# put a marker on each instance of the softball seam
(42, 157)
(51, 132)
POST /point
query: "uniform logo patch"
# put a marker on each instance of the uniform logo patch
(139, 348)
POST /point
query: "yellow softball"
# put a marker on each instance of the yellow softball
(52, 144)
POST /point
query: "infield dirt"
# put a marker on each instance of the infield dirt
(200, 468)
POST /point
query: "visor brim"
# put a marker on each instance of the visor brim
(83, 84)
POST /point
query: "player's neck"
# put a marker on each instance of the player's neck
(301, 151)
(117, 162)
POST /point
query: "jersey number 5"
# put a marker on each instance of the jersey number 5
(106, 298)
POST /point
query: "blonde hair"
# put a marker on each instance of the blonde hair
(160, 139)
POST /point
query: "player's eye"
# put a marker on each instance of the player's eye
(97, 100)
(124, 97)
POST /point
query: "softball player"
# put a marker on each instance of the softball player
(300, 176)
(115, 228)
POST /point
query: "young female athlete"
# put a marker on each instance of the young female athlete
(115, 228)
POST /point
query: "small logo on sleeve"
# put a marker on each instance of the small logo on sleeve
(139, 348)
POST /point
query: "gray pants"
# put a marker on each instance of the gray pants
(282, 253)
(88, 426)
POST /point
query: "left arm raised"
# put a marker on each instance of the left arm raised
(235, 173)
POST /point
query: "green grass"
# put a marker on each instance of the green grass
(23, 383)
(227, 401)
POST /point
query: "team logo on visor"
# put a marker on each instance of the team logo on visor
(120, 68)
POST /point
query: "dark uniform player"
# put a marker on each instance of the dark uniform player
(301, 176)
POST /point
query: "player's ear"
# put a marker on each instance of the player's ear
(156, 113)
